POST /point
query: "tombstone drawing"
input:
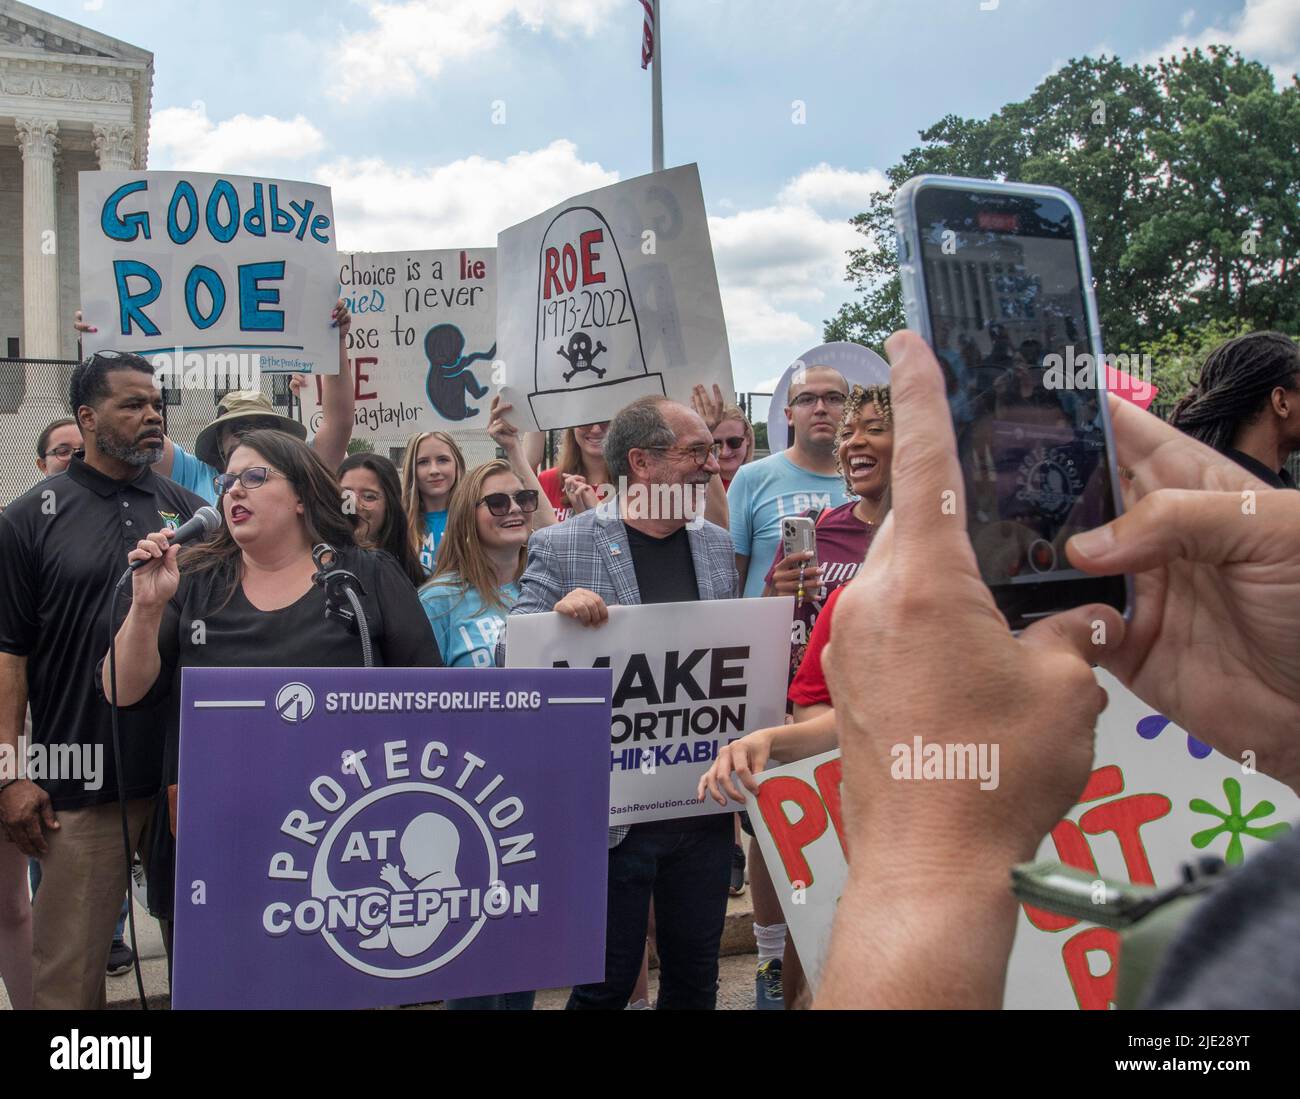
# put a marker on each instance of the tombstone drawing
(450, 381)
(589, 360)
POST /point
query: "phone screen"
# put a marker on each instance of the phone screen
(1004, 292)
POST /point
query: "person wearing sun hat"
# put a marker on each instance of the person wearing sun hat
(245, 410)
(241, 411)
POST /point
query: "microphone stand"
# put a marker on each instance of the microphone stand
(341, 589)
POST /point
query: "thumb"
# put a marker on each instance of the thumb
(1083, 631)
(1166, 525)
(47, 816)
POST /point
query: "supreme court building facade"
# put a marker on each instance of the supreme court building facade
(71, 100)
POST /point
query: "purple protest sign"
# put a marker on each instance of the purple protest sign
(364, 837)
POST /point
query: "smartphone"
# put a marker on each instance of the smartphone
(996, 277)
(799, 535)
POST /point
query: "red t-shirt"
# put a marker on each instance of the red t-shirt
(809, 686)
(842, 542)
(552, 482)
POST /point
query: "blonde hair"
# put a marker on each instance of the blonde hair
(460, 554)
(734, 412)
(412, 504)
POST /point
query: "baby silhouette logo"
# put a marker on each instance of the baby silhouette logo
(588, 342)
(422, 854)
(450, 380)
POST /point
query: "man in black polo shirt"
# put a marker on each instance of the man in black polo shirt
(64, 544)
(1246, 404)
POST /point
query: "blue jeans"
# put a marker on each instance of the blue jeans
(687, 874)
(506, 1001)
(34, 876)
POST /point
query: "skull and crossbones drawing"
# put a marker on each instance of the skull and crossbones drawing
(580, 355)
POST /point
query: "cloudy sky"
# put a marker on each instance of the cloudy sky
(438, 122)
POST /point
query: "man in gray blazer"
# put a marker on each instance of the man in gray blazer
(649, 544)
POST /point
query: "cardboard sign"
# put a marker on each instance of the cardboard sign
(679, 693)
(1157, 798)
(188, 263)
(365, 837)
(609, 297)
(422, 342)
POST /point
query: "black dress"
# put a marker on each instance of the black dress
(195, 633)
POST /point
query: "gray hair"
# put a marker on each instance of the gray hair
(639, 426)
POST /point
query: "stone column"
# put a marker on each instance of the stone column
(115, 146)
(38, 139)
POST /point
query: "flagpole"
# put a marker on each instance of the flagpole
(657, 96)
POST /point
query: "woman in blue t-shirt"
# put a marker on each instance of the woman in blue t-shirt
(476, 583)
(480, 560)
(431, 468)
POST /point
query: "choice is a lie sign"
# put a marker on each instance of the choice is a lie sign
(193, 262)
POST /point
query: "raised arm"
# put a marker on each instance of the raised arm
(337, 399)
(515, 445)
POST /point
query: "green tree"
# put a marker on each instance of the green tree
(1172, 165)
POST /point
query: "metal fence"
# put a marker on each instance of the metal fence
(187, 411)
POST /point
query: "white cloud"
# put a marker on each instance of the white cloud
(416, 38)
(834, 189)
(464, 204)
(1264, 30)
(184, 138)
(781, 267)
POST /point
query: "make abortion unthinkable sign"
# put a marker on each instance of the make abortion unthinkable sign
(608, 297)
(688, 678)
(191, 263)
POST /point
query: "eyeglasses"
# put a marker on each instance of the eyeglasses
(63, 450)
(731, 442)
(499, 502)
(699, 453)
(367, 496)
(251, 478)
(808, 400)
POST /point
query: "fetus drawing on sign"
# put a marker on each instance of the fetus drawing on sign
(430, 846)
(450, 378)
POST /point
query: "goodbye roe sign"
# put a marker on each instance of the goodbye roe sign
(608, 297)
(422, 342)
(688, 678)
(199, 262)
(363, 837)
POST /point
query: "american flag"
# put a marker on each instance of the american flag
(648, 34)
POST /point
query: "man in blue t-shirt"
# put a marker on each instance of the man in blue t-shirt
(792, 481)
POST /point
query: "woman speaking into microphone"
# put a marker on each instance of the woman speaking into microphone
(246, 597)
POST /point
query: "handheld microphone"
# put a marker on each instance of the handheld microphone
(205, 521)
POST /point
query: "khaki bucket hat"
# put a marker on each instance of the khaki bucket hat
(241, 404)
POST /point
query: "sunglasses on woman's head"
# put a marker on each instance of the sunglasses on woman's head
(498, 503)
(732, 442)
(252, 477)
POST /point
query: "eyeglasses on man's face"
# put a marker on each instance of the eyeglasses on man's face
(251, 478)
(699, 453)
(833, 400)
(498, 503)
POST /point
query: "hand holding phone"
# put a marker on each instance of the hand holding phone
(996, 277)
